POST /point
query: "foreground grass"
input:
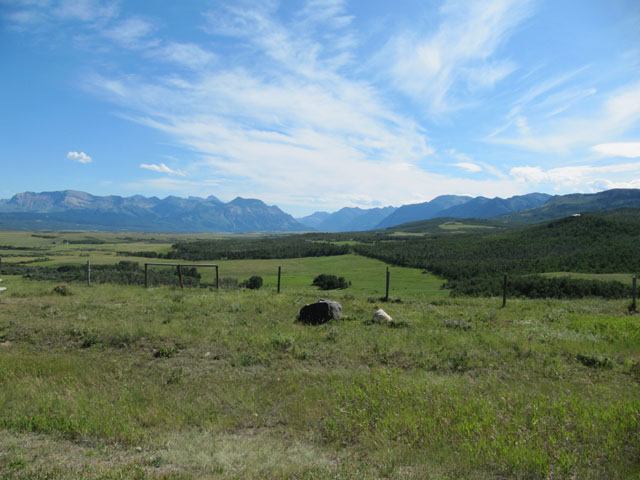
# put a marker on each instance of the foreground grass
(115, 382)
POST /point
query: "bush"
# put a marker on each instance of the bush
(330, 282)
(254, 283)
(63, 290)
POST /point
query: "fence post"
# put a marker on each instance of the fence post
(386, 295)
(633, 304)
(217, 279)
(0, 264)
(504, 291)
(279, 278)
(89, 273)
(180, 276)
(146, 275)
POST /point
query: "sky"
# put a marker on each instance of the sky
(319, 104)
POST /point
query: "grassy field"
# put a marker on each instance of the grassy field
(625, 278)
(463, 226)
(126, 382)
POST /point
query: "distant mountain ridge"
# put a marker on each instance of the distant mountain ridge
(347, 219)
(560, 206)
(70, 209)
(462, 207)
(75, 210)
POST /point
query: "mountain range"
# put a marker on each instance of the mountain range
(74, 210)
(71, 209)
(456, 206)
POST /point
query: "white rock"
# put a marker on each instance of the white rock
(381, 315)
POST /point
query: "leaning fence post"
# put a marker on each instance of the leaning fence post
(146, 275)
(504, 291)
(180, 276)
(279, 278)
(217, 279)
(386, 295)
(633, 303)
(89, 273)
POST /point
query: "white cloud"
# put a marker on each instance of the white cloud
(619, 112)
(469, 167)
(580, 176)
(79, 157)
(289, 119)
(84, 10)
(186, 54)
(619, 149)
(162, 168)
(132, 32)
(459, 55)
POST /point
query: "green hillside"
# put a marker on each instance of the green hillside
(475, 262)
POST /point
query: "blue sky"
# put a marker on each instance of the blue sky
(319, 104)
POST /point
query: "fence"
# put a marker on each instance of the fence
(179, 266)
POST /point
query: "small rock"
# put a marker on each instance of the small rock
(381, 317)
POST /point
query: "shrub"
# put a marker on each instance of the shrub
(63, 290)
(330, 282)
(254, 283)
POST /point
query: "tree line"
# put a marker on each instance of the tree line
(474, 264)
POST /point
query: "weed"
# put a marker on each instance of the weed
(165, 351)
(62, 289)
(89, 339)
(593, 361)
(282, 344)
(175, 376)
(459, 362)
(332, 334)
(460, 324)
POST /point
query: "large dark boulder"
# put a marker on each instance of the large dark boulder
(320, 312)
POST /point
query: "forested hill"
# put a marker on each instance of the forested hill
(590, 243)
(565, 205)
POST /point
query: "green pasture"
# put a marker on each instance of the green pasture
(111, 382)
(464, 226)
(127, 382)
(63, 247)
(367, 276)
(626, 278)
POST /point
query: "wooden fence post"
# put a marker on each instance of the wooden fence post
(217, 279)
(633, 304)
(386, 295)
(180, 276)
(279, 278)
(89, 273)
(0, 264)
(504, 291)
(146, 275)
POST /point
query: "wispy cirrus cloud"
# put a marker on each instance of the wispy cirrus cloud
(132, 32)
(616, 113)
(33, 13)
(461, 55)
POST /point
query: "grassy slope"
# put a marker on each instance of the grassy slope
(115, 381)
